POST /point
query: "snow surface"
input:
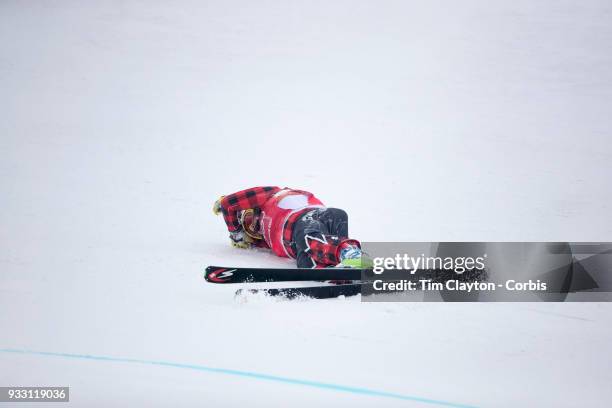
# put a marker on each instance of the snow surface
(122, 121)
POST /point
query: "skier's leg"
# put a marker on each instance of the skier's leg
(315, 243)
(335, 221)
(304, 260)
(305, 227)
(320, 238)
(348, 251)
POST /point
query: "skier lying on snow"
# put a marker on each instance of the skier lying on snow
(293, 223)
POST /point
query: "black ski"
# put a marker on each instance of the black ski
(313, 292)
(218, 274)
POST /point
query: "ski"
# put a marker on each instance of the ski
(218, 274)
(313, 292)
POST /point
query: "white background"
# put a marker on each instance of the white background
(122, 121)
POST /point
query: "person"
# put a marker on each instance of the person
(292, 223)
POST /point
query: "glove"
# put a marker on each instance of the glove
(239, 239)
(217, 206)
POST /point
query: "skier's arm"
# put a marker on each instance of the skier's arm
(230, 205)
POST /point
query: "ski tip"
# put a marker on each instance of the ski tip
(219, 275)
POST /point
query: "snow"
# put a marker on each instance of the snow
(122, 121)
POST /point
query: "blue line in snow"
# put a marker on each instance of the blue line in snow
(248, 374)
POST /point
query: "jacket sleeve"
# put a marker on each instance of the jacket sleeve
(232, 204)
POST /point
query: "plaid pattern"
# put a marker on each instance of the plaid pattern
(328, 254)
(324, 253)
(254, 198)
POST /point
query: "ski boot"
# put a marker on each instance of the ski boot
(350, 255)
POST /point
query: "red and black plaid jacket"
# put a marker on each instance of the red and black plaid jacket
(232, 204)
(255, 198)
